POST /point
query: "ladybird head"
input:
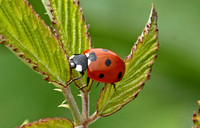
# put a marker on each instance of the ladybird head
(79, 62)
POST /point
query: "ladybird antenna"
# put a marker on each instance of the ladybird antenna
(82, 74)
(114, 86)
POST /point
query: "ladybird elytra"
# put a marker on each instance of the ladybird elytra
(102, 65)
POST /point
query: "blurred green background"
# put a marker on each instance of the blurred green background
(168, 98)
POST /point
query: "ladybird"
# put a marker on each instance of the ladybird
(102, 65)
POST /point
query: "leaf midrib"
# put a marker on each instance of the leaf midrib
(38, 60)
(99, 112)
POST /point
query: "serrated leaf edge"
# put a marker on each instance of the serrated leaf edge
(195, 116)
(2, 39)
(54, 21)
(153, 14)
(135, 95)
(44, 120)
(50, 11)
(21, 55)
(145, 32)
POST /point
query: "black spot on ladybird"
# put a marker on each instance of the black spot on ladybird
(108, 62)
(119, 75)
(104, 50)
(92, 56)
(101, 75)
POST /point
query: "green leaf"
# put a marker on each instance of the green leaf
(69, 24)
(138, 66)
(196, 117)
(31, 40)
(50, 123)
(70, 28)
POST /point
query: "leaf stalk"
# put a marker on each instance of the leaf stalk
(85, 106)
(73, 106)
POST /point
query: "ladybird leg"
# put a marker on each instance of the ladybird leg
(114, 86)
(97, 84)
(82, 87)
(82, 74)
(88, 81)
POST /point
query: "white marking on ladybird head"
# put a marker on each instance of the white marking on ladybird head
(87, 54)
(72, 64)
(89, 61)
(79, 68)
(71, 57)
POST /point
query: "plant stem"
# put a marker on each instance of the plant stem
(73, 106)
(85, 108)
(93, 117)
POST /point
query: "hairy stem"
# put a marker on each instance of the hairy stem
(85, 108)
(93, 117)
(73, 106)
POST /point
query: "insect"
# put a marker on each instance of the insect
(102, 65)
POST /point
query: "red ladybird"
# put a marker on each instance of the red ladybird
(102, 65)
